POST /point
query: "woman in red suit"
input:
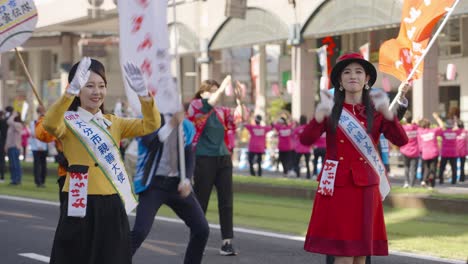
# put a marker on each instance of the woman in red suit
(347, 219)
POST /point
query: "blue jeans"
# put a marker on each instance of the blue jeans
(15, 166)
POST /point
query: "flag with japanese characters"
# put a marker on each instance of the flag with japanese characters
(144, 40)
(399, 56)
(18, 19)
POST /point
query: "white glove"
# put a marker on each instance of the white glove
(135, 79)
(381, 103)
(184, 188)
(81, 76)
(324, 107)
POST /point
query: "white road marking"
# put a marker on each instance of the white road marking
(36, 257)
(247, 231)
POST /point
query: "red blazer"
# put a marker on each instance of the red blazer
(352, 167)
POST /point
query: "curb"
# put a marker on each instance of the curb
(452, 206)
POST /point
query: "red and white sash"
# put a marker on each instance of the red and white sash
(104, 151)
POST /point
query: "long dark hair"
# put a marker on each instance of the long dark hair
(338, 108)
(205, 87)
(96, 67)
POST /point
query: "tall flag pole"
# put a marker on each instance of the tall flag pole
(179, 90)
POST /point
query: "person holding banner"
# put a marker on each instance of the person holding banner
(94, 226)
(347, 219)
(158, 181)
(213, 164)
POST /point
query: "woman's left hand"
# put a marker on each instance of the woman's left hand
(381, 102)
(135, 79)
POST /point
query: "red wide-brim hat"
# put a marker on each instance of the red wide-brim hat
(344, 60)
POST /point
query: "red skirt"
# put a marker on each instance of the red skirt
(349, 223)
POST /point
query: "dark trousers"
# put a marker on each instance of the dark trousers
(252, 161)
(286, 158)
(297, 162)
(39, 166)
(462, 168)
(453, 165)
(2, 163)
(318, 152)
(216, 171)
(188, 209)
(411, 167)
(429, 168)
(331, 259)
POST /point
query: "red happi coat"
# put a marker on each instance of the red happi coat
(351, 222)
(199, 118)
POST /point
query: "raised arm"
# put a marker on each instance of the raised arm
(214, 98)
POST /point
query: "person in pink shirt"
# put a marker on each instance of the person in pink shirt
(410, 152)
(285, 144)
(462, 149)
(448, 151)
(301, 150)
(320, 149)
(429, 149)
(257, 144)
(25, 134)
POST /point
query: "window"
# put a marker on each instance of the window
(450, 39)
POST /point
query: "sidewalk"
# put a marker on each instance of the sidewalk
(397, 179)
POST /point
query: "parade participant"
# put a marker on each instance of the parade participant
(410, 152)
(347, 219)
(429, 149)
(43, 135)
(94, 226)
(13, 146)
(462, 149)
(448, 151)
(301, 149)
(39, 151)
(285, 145)
(257, 144)
(158, 181)
(213, 164)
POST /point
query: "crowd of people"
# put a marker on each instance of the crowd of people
(96, 191)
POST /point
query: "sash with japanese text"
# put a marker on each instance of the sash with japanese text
(358, 136)
(104, 151)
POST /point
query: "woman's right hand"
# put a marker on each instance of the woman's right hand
(324, 107)
(81, 76)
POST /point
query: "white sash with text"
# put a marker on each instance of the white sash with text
(358, 136)
(102, 148)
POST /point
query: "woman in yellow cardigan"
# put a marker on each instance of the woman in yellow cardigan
(94, 226)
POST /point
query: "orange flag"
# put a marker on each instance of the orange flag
(398, 56)
(420, 17)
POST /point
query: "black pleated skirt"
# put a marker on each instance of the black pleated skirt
(101, 237)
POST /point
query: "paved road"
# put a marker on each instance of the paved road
(27, 228)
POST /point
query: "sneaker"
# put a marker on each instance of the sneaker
(423, 184)
(405, 185)
(227, 250)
